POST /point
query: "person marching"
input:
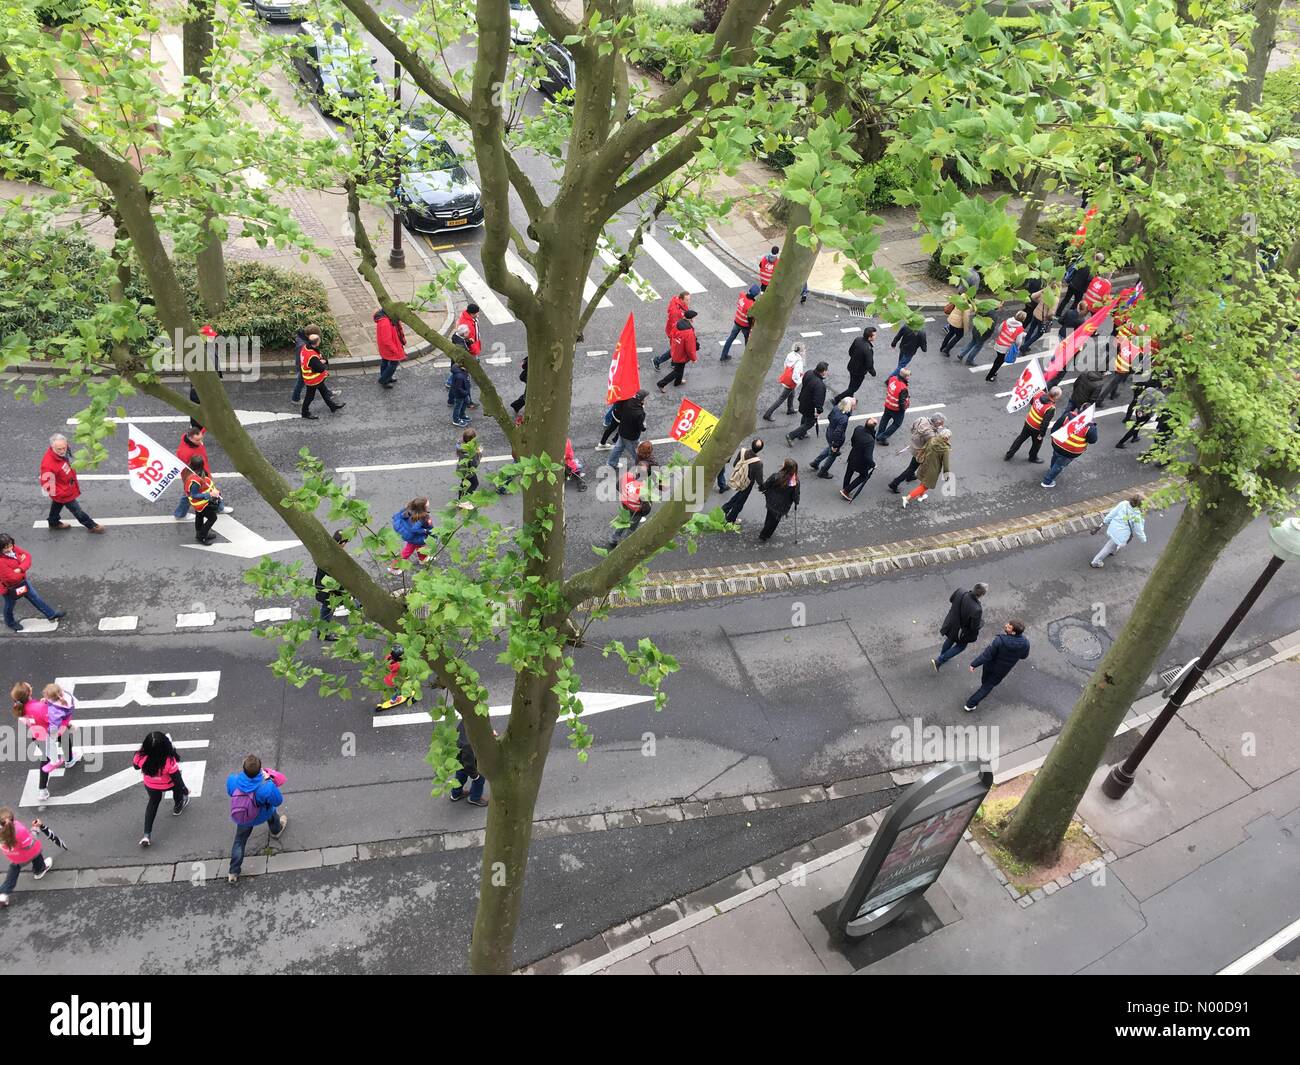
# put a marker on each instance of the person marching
(922, 432)
(1034, 428)
(791, 378)
(742, 323)
(204, 497)
(959, 319)
(1141, 409)
(683, 348)
(1077, 279)
(961, 625)
(1010, 334)
(861, 462)
(311, 360)
(631, 424)
(517, 404)
(192, 443)
(766, 268)
(412, 523)
(812, 398)
(390, 338)
(862, 361)
(468, 771)
(34, 715)
(14, 583)
(469, 319)
(459, 394)
(634, 491)
(677, 308)
(60, 709)
(1123, 365)
(781, 492)
(59, 483)
(898, 398)
(1075, 444)
(998, 659)
(1097, 292)
(908, 341)
(1087, 387)
(323, 594)
(1122, 522)
(308, 336)
(837, 427)
(255, 799)
(935, 461)
(978, 338)
(19, 847)
(746, 472)
(160, 767)
(468, 455)
(1039, 312)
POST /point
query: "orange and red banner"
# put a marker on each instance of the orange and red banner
(1069, 347)
(693, 425)
(1081, 233)
(624, 373)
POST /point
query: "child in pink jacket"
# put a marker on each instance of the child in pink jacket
(34, 715)
(160, 768)
(19, 846)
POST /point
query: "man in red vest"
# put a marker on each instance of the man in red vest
(742, 322)
(677, 308)
(192, 444)
(1009, 336)
(1097, 292)
(204, 497)
(59, 483)
(767, 267)
(1064, 452)
(314, 371)
(897, 399)
(1037, 419)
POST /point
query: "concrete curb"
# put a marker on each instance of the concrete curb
(621, 942)
(678, 586)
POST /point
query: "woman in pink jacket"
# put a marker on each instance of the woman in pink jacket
(19, 846)
(35, 715)
(156, 759)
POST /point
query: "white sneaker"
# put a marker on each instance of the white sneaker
(284, 825)
(226, 510)
(49, 864)
(1096, 565)
(144, 841)
(604, 447)
(4, 900)
(906, 500)
(76, 757)
(43, 794)
(394, 571)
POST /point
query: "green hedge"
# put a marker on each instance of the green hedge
(677, 19)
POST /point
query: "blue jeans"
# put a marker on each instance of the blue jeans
(1060, 459)
(951, 649)
(476, 785)
(889, 424)
(621, 445)
(828, 456)
(11, 877)
(74, 508)
(973, 347)
(981, 691)
(298, 387)
(458, 406)
(387, 367)
(242, 832)
(40, 604)
(903, 360)
(722, 481)
(736, 330)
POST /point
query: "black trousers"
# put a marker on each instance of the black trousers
(950, 339)
(178, 790)
(610, 430)
(732, 507)
(1069, 299)
(855, 382)
(325, 394)
(908, 474)
(998, 359)
(204, 520)
(769, 526)
(786, 397)
(854, 479)
(806, 422)
(674, 375)
(1035, 437)
(518, 404)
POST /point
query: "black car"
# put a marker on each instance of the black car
(436, 192)
(325, 66)
(282, 10)
(558, 71)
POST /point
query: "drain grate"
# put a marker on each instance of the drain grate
(1166, 675)
(858, 312)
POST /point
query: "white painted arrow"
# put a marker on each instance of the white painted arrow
(246, 417)
(104, 787)
(592, 703)
(242, 541)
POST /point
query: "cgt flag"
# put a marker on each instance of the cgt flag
(624, 373)
(1076, 423)
(151, 466)
(1069, 347)
(692, 425)
(1031, 382)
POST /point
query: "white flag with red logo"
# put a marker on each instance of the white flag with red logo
(1077, 424)
(152, 468)
(1030, 383)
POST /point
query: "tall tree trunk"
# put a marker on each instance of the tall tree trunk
(1261, 49)
(1043, 815)
(196, 50)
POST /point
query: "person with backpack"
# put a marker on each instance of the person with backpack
(837, 427)
(34, 715)
(935, 462)
(746, 472)
(468, 771)
(1122, 522)
(961, 625)
(959, 319)
(254, 800)
(413, 524)
(791, 378)
(922, 432)
(1077, 279)
(160, 767)
(781, 492)
(19, 846)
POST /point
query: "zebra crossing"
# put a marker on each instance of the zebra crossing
(665, 257)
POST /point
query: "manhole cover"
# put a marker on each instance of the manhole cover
(1079, 640)
(680, 962)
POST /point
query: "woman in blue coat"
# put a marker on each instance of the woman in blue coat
(837, 426)
(998, 659)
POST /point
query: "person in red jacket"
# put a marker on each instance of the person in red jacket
(469, 319)
(767, 267)
(684, 348)
(14, 564)
(59, 483)
(677, 308)
(19, 846)
(742, 322)
(391, 340)
(192, 443)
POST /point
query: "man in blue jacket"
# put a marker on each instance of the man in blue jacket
(998, 659)
(254, 799)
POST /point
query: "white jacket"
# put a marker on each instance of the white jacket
(794, 359)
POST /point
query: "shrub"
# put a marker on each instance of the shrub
(668, 25)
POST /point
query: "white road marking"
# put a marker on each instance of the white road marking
(124, 623)
(196, 620)
(104, 787)
(135, 689)
(219, 476)
(669, 265)
(713, 264)
(518, 266)
(592, 703)
(242, 542)
(641, 288)
(246, 417)
(589, 290)
(1107, 413)
(814, 333)
(1265, 950)
(497, 313)
(131, 748)
(850, 329)
(597, 354)
(641, 351)
(496, 360)
(156, 719)
(31, 625)
(272, 613)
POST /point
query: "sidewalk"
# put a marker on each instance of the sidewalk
(1200, 863)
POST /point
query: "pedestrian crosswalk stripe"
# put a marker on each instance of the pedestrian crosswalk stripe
(1107, 413)
(814, 333)
(131, 748)
(594, 354)
(712, 263)
(155, 719)
(644, 350)
(589, 290)
(497, 313)
(640, 287)
(669, 265)
(199, 619)
(31, 625)
(272, 613)
(518, 266)
(497, 360)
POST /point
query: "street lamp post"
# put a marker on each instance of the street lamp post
(1286, 548)
(396, 256)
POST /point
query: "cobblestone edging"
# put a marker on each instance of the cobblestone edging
(757, 578)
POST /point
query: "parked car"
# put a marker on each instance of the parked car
(558, 71)
(282, 10)
(435, 191)
(524, 23)
(325, 67)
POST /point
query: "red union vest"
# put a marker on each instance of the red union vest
(1096, 293)
(766, 267)
(205, 485)
(310, 377)
(1007, 335)
(894, 389)
(1076, 441)
(1124, 355)
(1040, 407)
(630, 494)
(742, 310)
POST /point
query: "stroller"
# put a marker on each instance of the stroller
(574, 468)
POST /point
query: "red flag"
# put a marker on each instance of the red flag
(624, 373)
(1081, 233)
(1069, 347)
